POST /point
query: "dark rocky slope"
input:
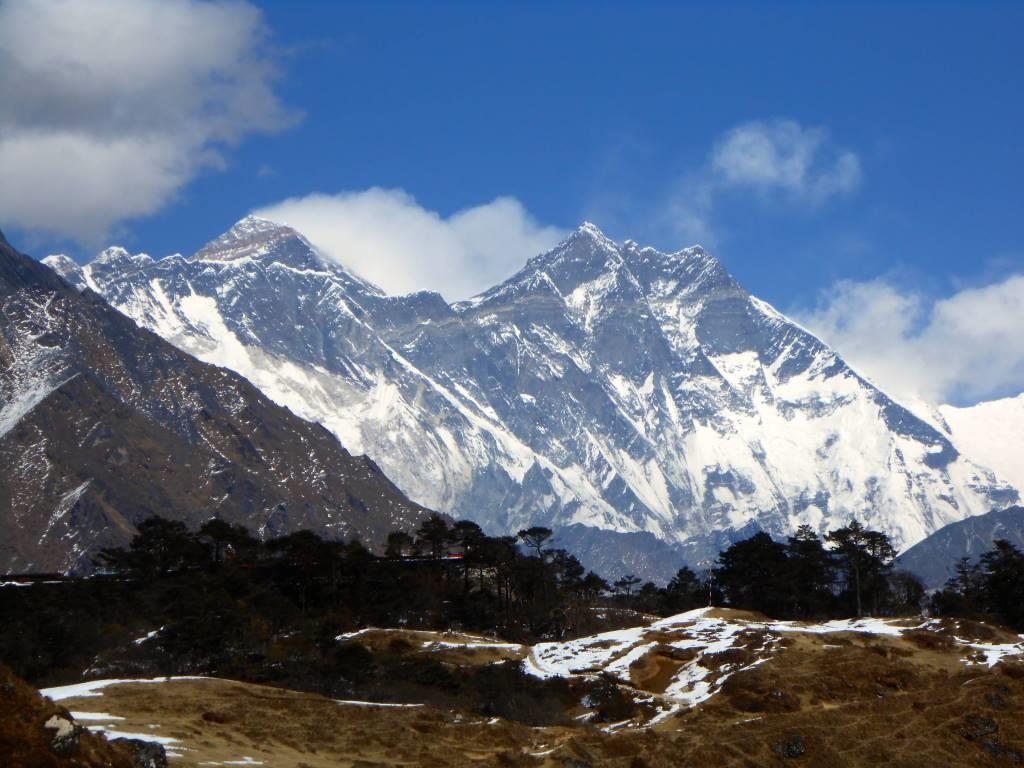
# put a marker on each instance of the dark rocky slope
(934, 559)
(103, 424)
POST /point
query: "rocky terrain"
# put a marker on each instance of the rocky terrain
(711, 687)
(604, 385)
(103, 424)
(37, 733)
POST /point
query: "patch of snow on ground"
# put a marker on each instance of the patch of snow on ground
(614, 652)
(994, 652)
(147, 637)
(92, 688)
(869, 626)
(473, 644)
(112, 734)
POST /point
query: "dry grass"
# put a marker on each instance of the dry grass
(836, 700)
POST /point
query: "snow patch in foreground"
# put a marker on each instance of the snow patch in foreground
(697, 680)
(111, 734)
(95, 716)
(93, 687)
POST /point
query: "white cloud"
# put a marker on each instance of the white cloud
(108, 107)
(782, 155)
(777, 158)
(385, 236)
(961, 348)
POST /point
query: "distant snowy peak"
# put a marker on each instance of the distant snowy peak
(992, 434)
(116, 256)
(269, 243)
(588, 255)
(67, 268)
(111, 263)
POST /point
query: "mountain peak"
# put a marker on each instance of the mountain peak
(253, 224)
(55, 260)
(590, 231)
(120, 258)
(111, 254)
(251, 236)
(67, 268)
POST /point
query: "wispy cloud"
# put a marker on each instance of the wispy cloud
(111, 106)
(782, 155)
(385, 236)
(960, 348)
(770, 158)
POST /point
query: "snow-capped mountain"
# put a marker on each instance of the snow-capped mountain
(607, 385)
(103, 424)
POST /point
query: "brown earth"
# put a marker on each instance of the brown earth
(449, 647)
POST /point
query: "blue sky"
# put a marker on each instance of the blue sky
(623, 114)
(597, 113)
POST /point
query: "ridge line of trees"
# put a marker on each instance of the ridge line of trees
(849, 573)
(272, 610)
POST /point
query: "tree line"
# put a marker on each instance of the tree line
(848, 573)
(231, 604)
(990, 589)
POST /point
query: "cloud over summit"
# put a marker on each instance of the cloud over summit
(385, 236)
(783, 155)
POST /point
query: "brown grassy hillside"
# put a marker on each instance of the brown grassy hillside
(908, 693)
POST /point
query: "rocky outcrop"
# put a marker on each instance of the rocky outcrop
(36, 733)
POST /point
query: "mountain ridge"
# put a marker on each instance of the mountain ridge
(612, 386)
(934, 559)
(86, 395)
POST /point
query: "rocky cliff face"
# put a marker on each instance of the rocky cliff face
(606, 385)
(103, 424)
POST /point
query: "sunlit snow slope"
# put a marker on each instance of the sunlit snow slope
(991, 433)
(609, 385)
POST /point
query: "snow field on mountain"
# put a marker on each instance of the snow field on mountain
(993, 433)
